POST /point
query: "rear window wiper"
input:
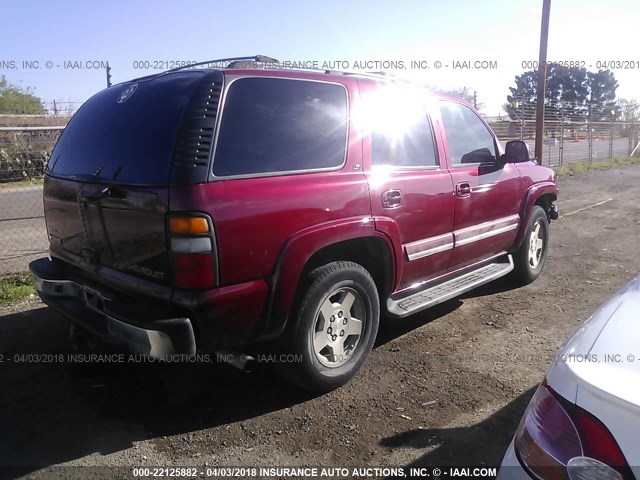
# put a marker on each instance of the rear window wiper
(106, 191)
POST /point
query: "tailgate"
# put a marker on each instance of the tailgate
(119, 226)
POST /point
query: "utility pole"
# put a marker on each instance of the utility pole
(475, 99)
(108, 75)
(542, 78)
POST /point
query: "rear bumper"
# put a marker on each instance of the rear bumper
(511, 469)
(137, 328)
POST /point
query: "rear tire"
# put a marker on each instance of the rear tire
(335, 326)
(530, 258)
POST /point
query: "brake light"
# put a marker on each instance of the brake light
(192, 251)
(557, 439)
(194, 271)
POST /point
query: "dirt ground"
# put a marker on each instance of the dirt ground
(445, 387)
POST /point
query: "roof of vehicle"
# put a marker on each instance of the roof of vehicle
(262, 66)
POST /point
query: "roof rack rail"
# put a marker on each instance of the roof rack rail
(255, 58)
(380, 75)
(270, 62)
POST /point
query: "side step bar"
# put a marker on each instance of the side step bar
(451, 288)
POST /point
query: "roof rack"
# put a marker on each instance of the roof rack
(380, 74)
(254, 58)
(271, 63)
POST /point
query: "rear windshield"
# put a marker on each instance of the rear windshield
(126, 133)
(279, 125)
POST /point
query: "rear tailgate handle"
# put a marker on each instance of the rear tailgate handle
(392, 199)
(93, 197)
(463, 189)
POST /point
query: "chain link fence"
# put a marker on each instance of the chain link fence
(573, 133)
(26, 142)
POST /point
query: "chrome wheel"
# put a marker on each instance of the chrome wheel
(536, 245)
(334, 328)
(338, 327)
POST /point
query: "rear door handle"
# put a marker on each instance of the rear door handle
(392, 199)
(95, 196)
(463, 189)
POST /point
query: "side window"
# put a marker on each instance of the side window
(401, 135)
(469, 139)
(280, 125)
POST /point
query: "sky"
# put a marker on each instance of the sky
(489, 41)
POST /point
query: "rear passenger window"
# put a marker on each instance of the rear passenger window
(401, 134)
(279, 125)
(469, 139)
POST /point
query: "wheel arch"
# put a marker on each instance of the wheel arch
(542, 195)
(371, 252)
(371, 249)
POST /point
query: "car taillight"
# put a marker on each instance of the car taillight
(192, 252)
(557, 439)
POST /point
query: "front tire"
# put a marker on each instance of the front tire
(532, 254)
(335, 326)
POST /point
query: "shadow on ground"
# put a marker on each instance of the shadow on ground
(53, 412)
(391, 328)
(465, 446)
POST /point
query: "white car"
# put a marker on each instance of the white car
(583, 422)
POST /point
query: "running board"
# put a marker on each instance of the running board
(451, 288)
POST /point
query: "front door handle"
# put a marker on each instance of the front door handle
(392, 199)
(463, 189)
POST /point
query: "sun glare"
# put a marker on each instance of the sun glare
(392, 110)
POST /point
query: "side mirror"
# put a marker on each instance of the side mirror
(516, 151)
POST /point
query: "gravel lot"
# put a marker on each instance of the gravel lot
(447, 386)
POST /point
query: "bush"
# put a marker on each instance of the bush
(23, 156)
(14, 288)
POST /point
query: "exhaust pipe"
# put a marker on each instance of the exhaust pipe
(241, 361)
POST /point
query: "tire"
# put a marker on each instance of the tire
(336, 324)
(530, 258)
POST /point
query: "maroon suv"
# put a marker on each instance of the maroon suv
(206, 209)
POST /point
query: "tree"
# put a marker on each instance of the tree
(566, 92)
(602, 86)
(570, 93)
(468, 95)
(16, 100)
(628, 110)
(523, 97)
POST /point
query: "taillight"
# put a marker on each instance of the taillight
(192, 252)
(557, 439)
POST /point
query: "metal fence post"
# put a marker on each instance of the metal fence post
(589, 136)
(108, 71)
(611, 139)
(561, 143)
